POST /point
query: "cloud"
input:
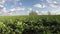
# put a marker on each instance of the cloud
(15, 2)
(49, 1)
(37, 11)
(14, 10)
(39, 6)
(17, 9)
(3, 10)
(46, 12)
(53, 3)
(30, 9)
(41, 12)
(2, 1)
(58, 13)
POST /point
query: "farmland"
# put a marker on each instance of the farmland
(39, 24)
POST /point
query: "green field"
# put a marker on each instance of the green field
(41, 24)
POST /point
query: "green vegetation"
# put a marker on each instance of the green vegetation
(43, 24)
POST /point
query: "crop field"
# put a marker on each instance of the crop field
(39, 24)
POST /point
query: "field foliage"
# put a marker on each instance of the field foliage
(42, 24)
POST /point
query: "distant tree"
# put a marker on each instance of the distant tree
(49, 13)
(33, 13)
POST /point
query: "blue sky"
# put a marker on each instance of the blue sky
(23, 7)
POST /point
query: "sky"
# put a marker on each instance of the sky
(23, 7)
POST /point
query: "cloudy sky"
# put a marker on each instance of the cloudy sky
(23, 7)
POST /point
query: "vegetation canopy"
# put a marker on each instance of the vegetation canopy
(43, 24)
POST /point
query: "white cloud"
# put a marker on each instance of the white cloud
(17, 9)
(44, 12)
(39, 5)
(3, 10)
(2, 1)
(49, 1)
(30, 9)
(53, 3)
(51, 12)
(15, 2)
(14, 10)
(37, 11)
(58, 13)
